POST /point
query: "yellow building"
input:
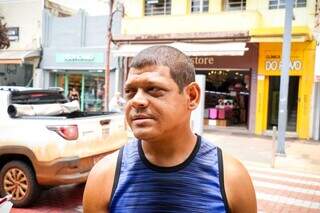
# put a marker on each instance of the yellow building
(258, 24)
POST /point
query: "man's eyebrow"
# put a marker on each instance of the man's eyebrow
(145, 83)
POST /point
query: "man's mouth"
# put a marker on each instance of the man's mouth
(141, 117)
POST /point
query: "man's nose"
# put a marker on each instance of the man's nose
(139, 100)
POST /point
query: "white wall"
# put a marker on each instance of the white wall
(25, 14)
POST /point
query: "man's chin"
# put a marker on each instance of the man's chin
(144, 134)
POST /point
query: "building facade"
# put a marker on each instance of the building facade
(237, 46)
(74, 50)
(19, 64)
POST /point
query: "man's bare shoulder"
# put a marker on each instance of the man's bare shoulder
(99, 184)
(238, 185)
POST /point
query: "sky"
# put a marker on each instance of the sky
(93, 7)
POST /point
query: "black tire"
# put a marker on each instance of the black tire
(26, 191)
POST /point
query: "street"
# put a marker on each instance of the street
(290, 187)
(77, 78)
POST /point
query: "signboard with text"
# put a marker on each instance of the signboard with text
(13, 33)
(83, 58)
(273, 63)
(270, 62)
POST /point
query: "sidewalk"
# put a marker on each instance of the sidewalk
(301, 156)
(292, 186)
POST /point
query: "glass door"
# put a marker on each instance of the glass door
(273, 106)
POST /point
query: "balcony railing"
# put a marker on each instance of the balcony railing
(235, 5)
(157, 7)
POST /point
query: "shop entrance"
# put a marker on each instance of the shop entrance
(274, 88)
(227, 97)
(90, 89)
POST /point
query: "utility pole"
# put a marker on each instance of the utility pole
(108, 47)
(284, 83)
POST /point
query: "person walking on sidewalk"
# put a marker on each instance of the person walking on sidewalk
(167, 168)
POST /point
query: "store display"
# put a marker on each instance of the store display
(227, 97)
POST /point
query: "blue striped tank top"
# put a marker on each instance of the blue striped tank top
(196, 185)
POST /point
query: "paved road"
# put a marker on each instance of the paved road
(66, 199)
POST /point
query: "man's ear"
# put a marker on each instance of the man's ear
(193, 93)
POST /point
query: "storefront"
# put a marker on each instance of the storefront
(17, 68)
(80, 73)
(301, 76)
(89, 87)
(74, 57)
(230, 70)
(230, 88)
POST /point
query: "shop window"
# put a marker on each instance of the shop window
(199, 6)
(279, 4)
(234, 5)
(227, 97)
(92, 96)
(16, 75)
(157, 7)
(94, 93)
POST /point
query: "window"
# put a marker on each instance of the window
(16, 75)
(235, 5)
(199, 6)
(157, 7)
(279, 4)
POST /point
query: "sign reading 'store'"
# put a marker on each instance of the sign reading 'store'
(203, 60)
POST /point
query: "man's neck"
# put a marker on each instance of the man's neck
(172, 150)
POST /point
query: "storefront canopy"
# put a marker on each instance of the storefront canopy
(17, 57)
(191, 49)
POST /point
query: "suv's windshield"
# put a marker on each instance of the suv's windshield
(37, 97)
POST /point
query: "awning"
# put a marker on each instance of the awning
(190, 49)
(279, 39)
(17, 57)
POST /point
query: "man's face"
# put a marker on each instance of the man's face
(155, 107)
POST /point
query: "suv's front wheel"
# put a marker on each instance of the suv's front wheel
(18, 179)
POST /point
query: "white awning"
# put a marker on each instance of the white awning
(190, 49)
(17, 57)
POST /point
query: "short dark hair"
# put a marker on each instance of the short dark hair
(181, 67)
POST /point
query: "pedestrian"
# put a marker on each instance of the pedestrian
(73, 94)
(167, 168)
(116, 103)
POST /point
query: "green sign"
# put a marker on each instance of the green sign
(83, 58)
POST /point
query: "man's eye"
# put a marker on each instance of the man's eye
(153, 89)
(129, 94)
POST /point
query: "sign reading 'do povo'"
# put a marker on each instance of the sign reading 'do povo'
(83, 58)
(275, 65)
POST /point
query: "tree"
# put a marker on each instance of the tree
(4, 40)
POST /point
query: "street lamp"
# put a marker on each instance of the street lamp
(108, 46)
(120, 8)
(284, 83)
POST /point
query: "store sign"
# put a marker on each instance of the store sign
(85, 58)
(273, 63)
(208, 60)
(13, 33)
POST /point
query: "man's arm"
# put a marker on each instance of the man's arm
(238, 186)
(97, 193)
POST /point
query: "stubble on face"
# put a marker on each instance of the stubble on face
(161, 104)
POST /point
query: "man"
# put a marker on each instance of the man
(168, 168)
